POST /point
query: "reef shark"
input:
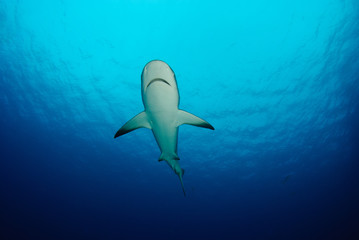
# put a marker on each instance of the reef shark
(160, 98)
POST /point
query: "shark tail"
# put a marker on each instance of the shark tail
(180, 177)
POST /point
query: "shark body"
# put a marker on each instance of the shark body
(160, 98)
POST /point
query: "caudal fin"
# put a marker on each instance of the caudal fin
(180, 177)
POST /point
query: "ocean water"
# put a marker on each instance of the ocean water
(279, 80)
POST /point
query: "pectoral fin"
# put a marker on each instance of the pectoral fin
(138, 121)
(188, 118)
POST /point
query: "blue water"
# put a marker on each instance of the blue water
(279, 80)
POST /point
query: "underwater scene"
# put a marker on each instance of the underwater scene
(179, 119)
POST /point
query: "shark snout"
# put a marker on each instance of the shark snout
(157, 71)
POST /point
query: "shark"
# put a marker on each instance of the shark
(160, 97)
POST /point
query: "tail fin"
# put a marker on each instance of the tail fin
(180, 177)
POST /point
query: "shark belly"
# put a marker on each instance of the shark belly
(161, 106)
(166, 134)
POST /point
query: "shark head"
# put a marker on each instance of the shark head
(158, 73)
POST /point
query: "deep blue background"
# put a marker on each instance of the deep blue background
(279, 80)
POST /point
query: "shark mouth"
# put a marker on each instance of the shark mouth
(157, 80)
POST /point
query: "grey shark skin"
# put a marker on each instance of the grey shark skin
(160, 98)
